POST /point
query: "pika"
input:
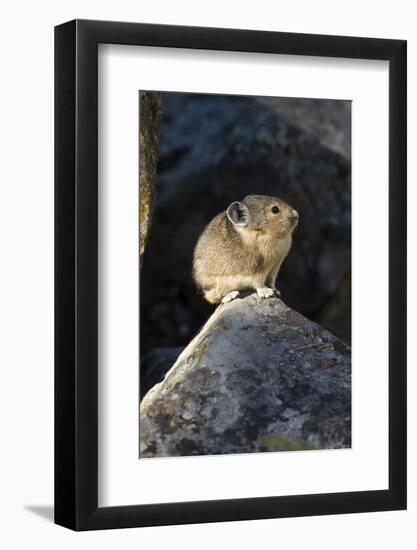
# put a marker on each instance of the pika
(243, 248)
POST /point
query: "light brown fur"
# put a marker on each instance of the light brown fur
(243, 248)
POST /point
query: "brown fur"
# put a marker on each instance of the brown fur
(229, 257)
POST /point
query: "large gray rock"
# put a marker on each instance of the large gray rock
(258, 377)
(218, 149)
(326, 119)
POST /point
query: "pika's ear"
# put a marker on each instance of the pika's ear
(238, 214)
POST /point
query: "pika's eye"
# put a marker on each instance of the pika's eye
(275, 209)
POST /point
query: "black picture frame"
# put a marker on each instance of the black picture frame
(76, 270)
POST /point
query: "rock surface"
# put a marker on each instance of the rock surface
(150, 120)
(217, 149)
(326, 119)
(257, 377)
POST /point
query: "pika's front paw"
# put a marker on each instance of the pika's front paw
(276, 291)
(230, 296)
(265, 292)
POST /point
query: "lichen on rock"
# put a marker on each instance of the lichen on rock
(149, 124)
(257, 377)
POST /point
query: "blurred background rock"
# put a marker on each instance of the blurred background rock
(217, 149)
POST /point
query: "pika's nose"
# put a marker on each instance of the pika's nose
(294, 215)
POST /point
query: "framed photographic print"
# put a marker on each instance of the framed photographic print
(230, 252)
